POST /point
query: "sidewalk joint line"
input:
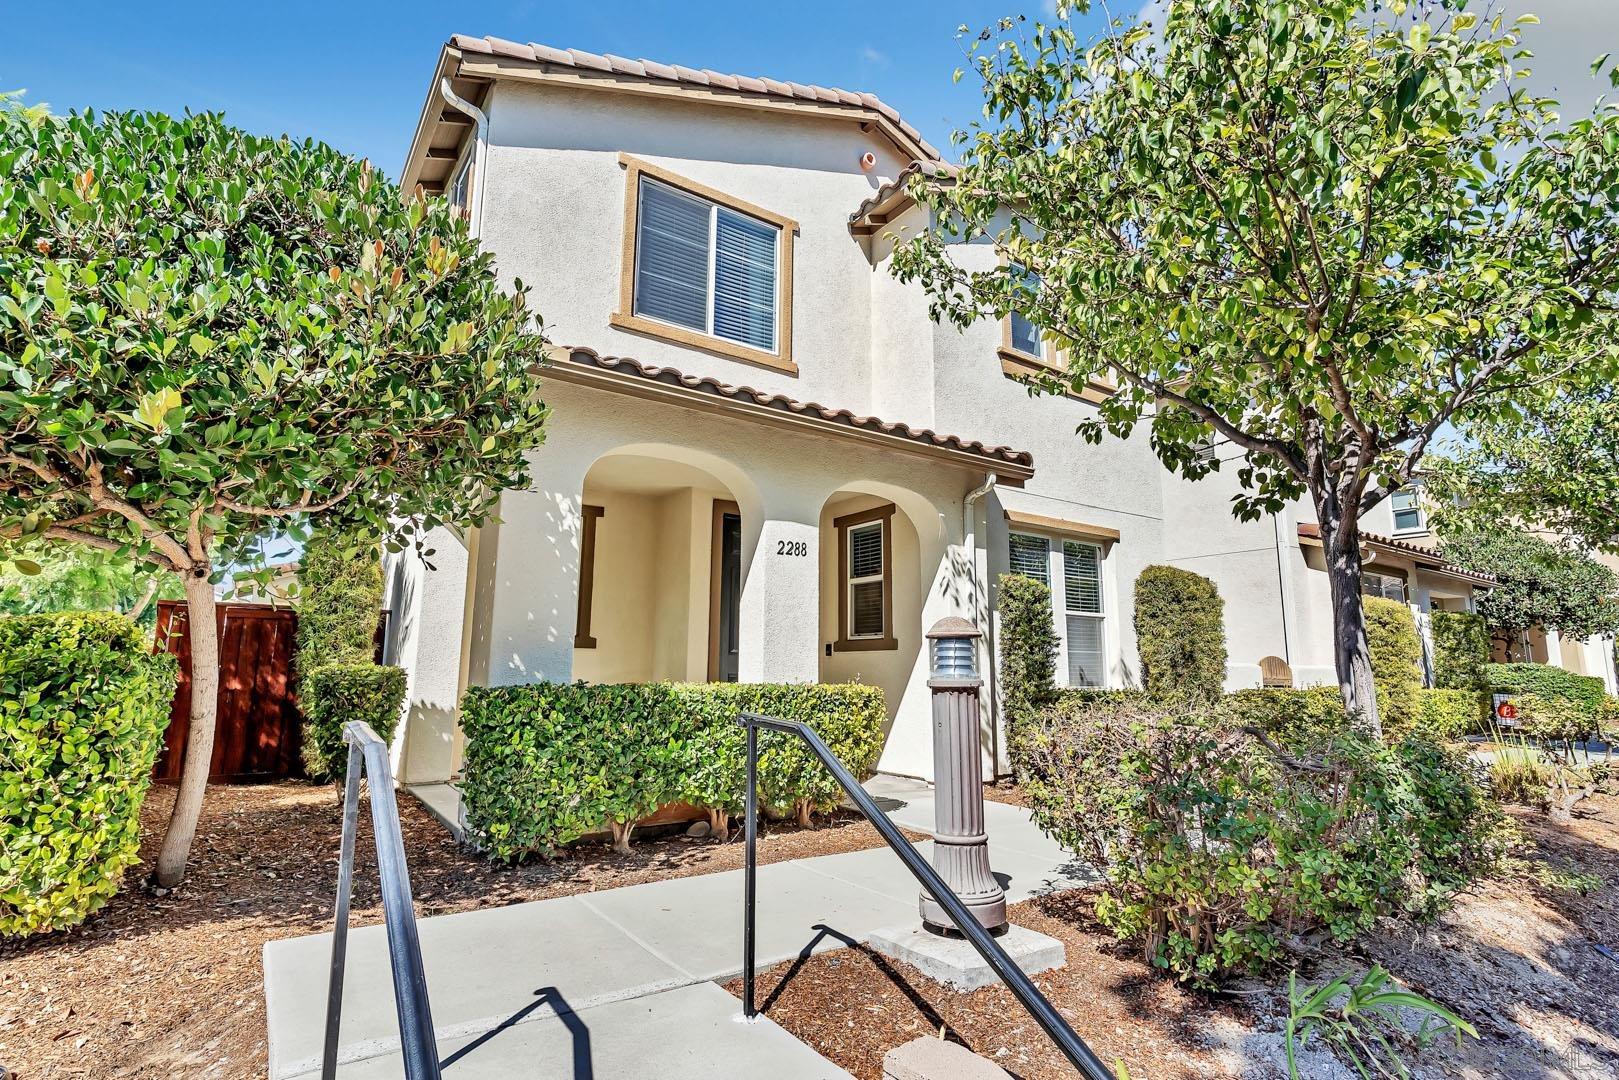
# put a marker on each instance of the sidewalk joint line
(583, 898)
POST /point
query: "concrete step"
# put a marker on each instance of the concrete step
(691, 1033)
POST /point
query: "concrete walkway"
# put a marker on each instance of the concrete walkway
(632, 969)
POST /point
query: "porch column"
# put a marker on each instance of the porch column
(534, 604)
(780, 606)
(428, 609)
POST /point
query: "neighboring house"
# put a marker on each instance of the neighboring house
(765, 461)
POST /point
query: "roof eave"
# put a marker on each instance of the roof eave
(496, 67)
(562, 367)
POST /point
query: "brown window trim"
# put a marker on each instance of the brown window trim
(587, 575)
(887, 642)
(1024, 367)
(626, 319)
(715, 554)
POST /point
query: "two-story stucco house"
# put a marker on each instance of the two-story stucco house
(765, 461)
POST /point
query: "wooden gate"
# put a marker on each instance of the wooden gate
(258, 729)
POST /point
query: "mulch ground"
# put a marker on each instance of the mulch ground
(1529, 959)
(174, 985)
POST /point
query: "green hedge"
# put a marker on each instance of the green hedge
(333, 695)
(1448, 714)
(1292, 716)
(1180, 634)
(547, 763)
(1391, 631)
(83, 707)
(1028, 647)
(340, 599)
(1461, 648)
(1545, 681)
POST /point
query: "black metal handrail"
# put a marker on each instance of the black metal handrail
(417, 1043)
(1022, 987)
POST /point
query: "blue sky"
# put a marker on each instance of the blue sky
(354, 73)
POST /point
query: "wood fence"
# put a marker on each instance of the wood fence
(258, 731)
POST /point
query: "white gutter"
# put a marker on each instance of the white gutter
(480, 153)
(969, 530)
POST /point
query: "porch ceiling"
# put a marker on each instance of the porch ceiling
(622, 375)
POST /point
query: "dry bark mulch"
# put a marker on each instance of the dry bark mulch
(1529, 958)
(174, 985)
(854, 1005)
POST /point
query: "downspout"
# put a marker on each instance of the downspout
(480, 153)
(991, 677)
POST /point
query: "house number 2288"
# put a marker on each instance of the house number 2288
(792, 547)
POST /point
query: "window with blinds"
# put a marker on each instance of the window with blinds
(1030, 556)
(705, 267)
(1073, 572)
(866, 581)
(1082, 608)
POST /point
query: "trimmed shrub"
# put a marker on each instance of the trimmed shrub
(1218, 845)
(1028, 647)
(339, 599)
(1546, 681)
(1391, 631)
(1445, 715)
(1553, 718)
(1303, 717)
(83, 707)
(1180, 634)
(547, 763)
(1461, 648)
(334, 694)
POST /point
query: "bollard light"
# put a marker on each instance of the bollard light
(955, 657)
(961, 847)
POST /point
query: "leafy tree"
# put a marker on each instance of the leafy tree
(1317, 230)
(62, 578)
(206, 336)
(1539, 583)
(1557, 467)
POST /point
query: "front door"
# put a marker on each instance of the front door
(725, 584)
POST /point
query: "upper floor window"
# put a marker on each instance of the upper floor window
(1025, 335)
(1072, 570)
(1022, 335)
(1407, 506)
(706, 270)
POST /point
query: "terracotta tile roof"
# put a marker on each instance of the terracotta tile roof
(1428, 557)
(609, 64)
(894, 190)
(1018, 462)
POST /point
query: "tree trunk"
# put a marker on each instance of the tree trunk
(203, 625)
(1351, 650)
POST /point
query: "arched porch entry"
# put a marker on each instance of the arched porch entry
(664, 548)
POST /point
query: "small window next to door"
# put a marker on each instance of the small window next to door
(725, 593)
(582, 638)
(865, 574)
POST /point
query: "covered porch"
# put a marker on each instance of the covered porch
(684, 530)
